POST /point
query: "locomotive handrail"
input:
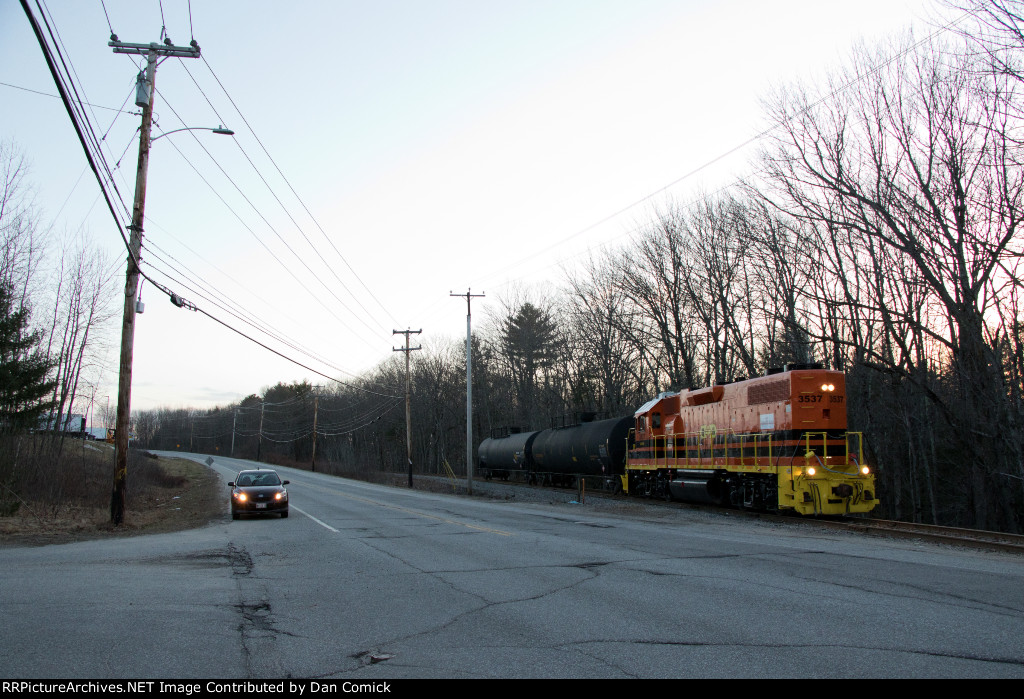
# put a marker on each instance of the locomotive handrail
(706, 454)
(860, 447)
(699, 449)
(823, 466)
(824, 456)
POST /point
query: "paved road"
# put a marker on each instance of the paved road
(366, 582)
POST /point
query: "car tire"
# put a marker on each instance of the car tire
(235, 515)
(284, 514)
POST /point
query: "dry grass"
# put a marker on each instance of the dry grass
(49, 499)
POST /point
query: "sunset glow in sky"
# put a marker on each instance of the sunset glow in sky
(436, 145)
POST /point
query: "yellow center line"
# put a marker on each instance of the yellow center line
(406, 510)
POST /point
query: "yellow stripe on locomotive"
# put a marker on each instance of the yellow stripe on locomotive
(776, 442)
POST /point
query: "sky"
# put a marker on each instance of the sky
(390, 153)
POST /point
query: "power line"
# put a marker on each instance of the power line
(252, 232)
(50, 94)
(236, 309)
(306, 208)
(283, 206)
(79, 128)
(178, 301)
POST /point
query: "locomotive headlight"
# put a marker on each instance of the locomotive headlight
(828, 387)
(865, 470)
(811, 471)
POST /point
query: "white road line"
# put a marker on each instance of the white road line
(322, 524)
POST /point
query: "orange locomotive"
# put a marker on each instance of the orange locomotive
(776, 442)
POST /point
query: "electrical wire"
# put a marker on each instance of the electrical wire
(239, 312)
(259, 239)
(71, 76)
(50, 94)
(287, 212)
(192, 307)
(73, 116)
(252, 321)
(297, 197)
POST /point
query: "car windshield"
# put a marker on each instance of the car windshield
(262, 478)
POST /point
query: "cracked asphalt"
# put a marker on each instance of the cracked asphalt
(364, 581)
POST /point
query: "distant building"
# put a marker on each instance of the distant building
(72, 422)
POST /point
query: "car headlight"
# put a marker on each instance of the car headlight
(240, 496)
(283, 495)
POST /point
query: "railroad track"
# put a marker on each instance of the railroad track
(972, 538)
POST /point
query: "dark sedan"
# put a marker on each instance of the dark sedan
(260, 491)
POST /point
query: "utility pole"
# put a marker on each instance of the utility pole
(144, 96)
(259, 444)
(316, 410)
(408, 393)
(469, 387)
(234, 422)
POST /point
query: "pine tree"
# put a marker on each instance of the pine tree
(24, 372)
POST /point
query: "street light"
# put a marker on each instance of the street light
(219, 130)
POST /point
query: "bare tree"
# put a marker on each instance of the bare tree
(21, 246)
(914, 158)
(81, 308)
(604, 327)
(782, 263)
(994, 31)
(654, 280)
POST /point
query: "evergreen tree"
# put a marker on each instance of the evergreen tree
(530, 343)
(24, 372)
